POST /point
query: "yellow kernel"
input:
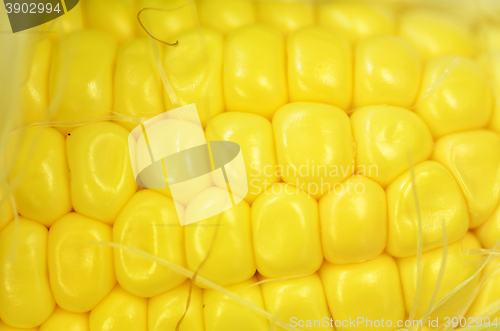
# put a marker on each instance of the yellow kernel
(65, 320)
(353, 221)
(227, 15)
(224, 314)
(384, 137)
(35, 92)
(490, 63)
(319, 67)
(379, 79)
(138, 90)
(314, 146)
(436, 34)
(25, 297)
(254, 135)
(487, 298)
(489, 232)
(283, 216)
(148, 222)
(356, 21)
(231, 258)
(375, 283)
(165, 310)
(81, 274)
(459, 266)
(39, 176)
(194, 68)
(119, 311)
(440, 199)
(287, 16)
(460, 102)
(99, 190)
(5, 327)
(297, 299)
(6, 213)
(81, 77)
(254, 70)
(473, 158)
(116, 17)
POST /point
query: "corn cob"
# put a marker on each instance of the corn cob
(393, 104)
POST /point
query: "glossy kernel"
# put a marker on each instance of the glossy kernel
(314, 146)
(459, 266)
(254, 135)
(194, 68)
(287, 16)
(353, 221)
(227, 15)
(436, 34)
(65, 320)
(283, 216)
(138, 90)
(224, 314)
(379, 79)
(39, 177)
(149, 223)
(356, 21)
(82, 76)
(374, 282)
(462, 101)
(165, 310)
(99, 190)
(231, 259)
(254, 70)
(81, 274)
(384, 136)
(298, 299)
(439, 198)
(119, 311)
(115, 17)
(473, 158)
(25, 297)
(319, 67)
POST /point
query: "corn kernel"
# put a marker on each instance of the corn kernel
(374, 282)
(227, 15)
(254, 135)
(39, 177)
(489, 232)
(119, 311)
(254, 70)
(440, 199)
(317, 138)
(231, 259)
(165, 310)
(488, 297)
(436, 34)
(224, 314)
(115, 17)
(319, 67)
(35, 92)
(283, 216)
(488, 36)
(356, 21)
(463, 101)
(473, 158)
(98, 190)
(385, 137)
(6, 213)
(173, 18)
(81, 76)
(65, 320)
(459, 266)
(490, 63)
(148, 222)
(379, 79)
(287, 16)
(25, 297)
(81, 274)
(194, 68)
(138, 90)
(354, 221)
(300, 298)
(5, 327)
